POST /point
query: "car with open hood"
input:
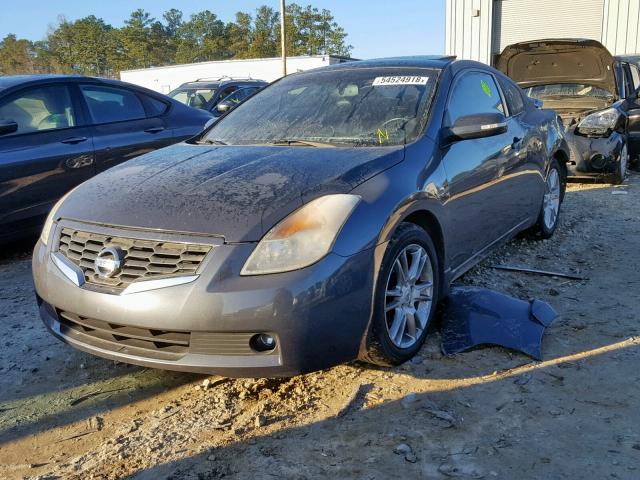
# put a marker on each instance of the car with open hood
(318, 222)
(593, 93)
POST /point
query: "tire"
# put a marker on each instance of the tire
(555, 185)
(385, 344)
(622, 166)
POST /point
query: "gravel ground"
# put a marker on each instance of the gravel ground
(488, 413)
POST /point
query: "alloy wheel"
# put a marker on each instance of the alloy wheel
(409, 296)
(551, 199)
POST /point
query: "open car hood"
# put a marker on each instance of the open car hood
(544, 62)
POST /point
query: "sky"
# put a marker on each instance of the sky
(376, 28)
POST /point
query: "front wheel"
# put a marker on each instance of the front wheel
(550, 211)
(621, 167)
(407, 292)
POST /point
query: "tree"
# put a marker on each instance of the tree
(134, 41)
(85, 46)
(240, 35)
(16, 56)
(264, 39)
(202, 38)
(92, 47)
(314, 32)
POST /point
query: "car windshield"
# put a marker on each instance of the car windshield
(567, 90)
(193, 97)
(357, 107)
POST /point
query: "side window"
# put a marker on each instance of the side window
(628, 80)
(156, 107)
(110, 104)
(39, 109)
(239, 95)
(474, 92)
(513, 97)
(247, 92)
(635, 74)
(227, 91)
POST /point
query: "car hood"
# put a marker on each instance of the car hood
(238, 192)
(544, 62)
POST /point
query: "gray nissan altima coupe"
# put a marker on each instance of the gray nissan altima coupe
(319, 222)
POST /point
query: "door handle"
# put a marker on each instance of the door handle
(74, 140)
(154, 129)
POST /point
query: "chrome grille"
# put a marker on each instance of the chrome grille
(143, 259)
(160, 344)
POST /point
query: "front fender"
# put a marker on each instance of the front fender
(389, 197)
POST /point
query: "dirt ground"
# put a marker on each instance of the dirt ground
(488, 413)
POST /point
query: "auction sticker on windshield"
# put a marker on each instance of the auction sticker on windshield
(404, 80)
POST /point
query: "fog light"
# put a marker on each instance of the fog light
(262, 342)
(598, 161)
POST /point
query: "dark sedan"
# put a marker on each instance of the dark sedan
(320, 221)
(58, 131)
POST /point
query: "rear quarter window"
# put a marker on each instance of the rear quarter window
(513, 96)
(110, 104)
(154, 106)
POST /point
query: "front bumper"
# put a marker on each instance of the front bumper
(318, 315)
(593, 157)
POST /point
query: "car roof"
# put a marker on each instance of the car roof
(13, 80)
(24, 80)
(217, 83)
(417, 61)
(628, 58)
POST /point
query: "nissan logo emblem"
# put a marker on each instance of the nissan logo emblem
(109, 262)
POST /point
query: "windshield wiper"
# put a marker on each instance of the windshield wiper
(211, 141)
(292, 142)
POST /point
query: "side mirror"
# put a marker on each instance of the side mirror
(539, 104)
(8, 126)
(223, 107)
(478, 125)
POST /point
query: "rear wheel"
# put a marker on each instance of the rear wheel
(550, 212)
(405, 299)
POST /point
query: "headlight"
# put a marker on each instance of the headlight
(599, 123)
(302, 238)
(46, 230)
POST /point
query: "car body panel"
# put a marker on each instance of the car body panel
(246, 189)
(543, 62)
(37, 168)
(229, 196)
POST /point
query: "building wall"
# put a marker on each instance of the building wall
(620, 26)
(522, 20)
(165, 79)
(468, 29)
(480, 29)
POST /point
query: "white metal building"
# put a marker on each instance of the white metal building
(165, 79)
(481, 29)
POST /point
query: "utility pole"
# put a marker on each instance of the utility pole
(283, 39)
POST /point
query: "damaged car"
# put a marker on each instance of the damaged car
(592, 93)
(318, 222)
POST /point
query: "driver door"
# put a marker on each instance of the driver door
(476, 212)
(50, 153)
